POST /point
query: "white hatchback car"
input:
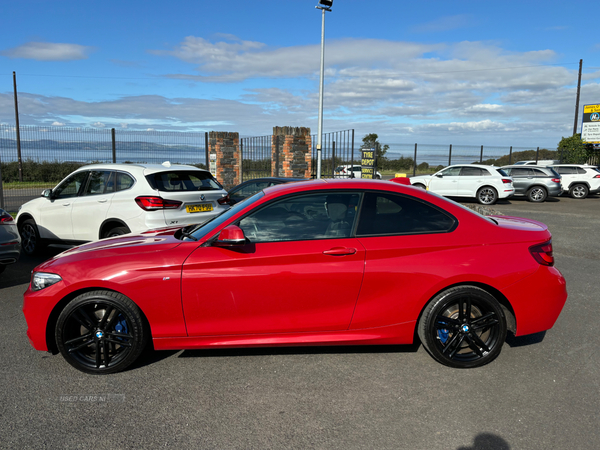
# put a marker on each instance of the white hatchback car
(485, 183)
(104, 200)
(579, 180)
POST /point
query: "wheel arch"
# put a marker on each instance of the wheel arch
(23, 217)
(109, 224)
(58, 308)
(574, 183)
(509, 313)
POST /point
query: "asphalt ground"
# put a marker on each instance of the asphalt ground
(541, 393)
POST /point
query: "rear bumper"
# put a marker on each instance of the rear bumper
(537, 300)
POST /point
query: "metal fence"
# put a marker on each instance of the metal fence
(256, 157)
(336, 148)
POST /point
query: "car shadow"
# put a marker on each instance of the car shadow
(521, 341)
(20, 272)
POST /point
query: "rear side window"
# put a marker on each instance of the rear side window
(566, 170)
(502, 172)
(539, 173)
(387, 213)
(124, 181)
(177, 181)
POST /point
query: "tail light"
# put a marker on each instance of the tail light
(156, 203)
(224, 200)
(556, 180)
(597, 176)
(542, 253)
(506, 180)
(6, 218)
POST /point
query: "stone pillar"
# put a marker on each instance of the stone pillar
(224, 149)
(291, 152)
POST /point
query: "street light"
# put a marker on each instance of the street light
(324, 5)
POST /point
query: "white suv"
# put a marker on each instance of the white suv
(105, 200)
(579, 180)
(485, 183)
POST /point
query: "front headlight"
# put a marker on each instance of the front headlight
(42, 280)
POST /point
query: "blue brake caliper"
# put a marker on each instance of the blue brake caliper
(443, 335)
(121, 326)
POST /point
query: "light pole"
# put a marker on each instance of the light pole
(324, 5)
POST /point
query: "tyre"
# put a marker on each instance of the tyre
(116, 231)
(487, 195)
(463, 327)
(537, 194)
(579, 191)
(101, 332)
(2, 267)
(30, 237)
(419, 185)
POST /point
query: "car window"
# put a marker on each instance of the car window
(519, 172)
(451, 172)
(539, 173)
(471, 172)
(502, 172)
(565, 170)
(181, 180)
(71, 186)
(99, 182)
(303, 217)
(581, 170)
(247, 190)
(387, 213)
(124, 181)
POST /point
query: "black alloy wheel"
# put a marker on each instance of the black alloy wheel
(101, 332)
(30, 237)
(463, 327)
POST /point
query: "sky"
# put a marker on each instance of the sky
(437, 72)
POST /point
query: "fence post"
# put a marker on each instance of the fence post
(1, 188)
(510, 156)
(537, 155)
(450, 156)
(333, 159)
(276, 155)
(206, 150)
(352, 156)
(415, 161)
(241, 160)
(114, 145)
(481, 156)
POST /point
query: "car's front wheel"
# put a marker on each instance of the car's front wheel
(463, 327)
(487, 195)
(579, 191)
(101, 332)
(30, 237)
(419, 185)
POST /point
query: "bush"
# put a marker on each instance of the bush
(33, 171)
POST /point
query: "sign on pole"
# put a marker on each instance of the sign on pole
(590, 128)
(368, 163)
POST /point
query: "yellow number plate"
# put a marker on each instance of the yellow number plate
(202, 207)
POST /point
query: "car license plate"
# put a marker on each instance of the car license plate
(202, 207)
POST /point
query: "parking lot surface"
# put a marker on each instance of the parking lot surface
(542, 392)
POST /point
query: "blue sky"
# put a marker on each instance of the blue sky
(462, 72)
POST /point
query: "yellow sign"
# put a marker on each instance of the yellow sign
(587, 109)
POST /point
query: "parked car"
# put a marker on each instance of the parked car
(541, 162)
(336, 262)
(579, 180)
(10, 241)
(104, 200)
(350, 171)
(251, 187)
(485, 183)
(535, 182)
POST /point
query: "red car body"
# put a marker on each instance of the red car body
(354, 290)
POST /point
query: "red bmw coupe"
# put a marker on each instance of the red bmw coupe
(342, 262)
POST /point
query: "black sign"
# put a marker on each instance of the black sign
(368, 163)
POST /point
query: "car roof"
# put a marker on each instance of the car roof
(145, 168)
(341, 183)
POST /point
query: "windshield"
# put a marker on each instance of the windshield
(199, 231)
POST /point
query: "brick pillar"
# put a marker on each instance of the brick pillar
(225, 147)
(291, 147)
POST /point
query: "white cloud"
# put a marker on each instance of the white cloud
(47, 51)
(58, 124)
(98, 125)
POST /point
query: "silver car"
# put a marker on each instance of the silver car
(10, 241)
(535, 182)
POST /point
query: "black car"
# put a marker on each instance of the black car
(251, 187)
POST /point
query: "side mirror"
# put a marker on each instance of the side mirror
(439, 175)
(47, 193)
(230, 236)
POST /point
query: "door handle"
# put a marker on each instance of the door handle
(340, 251)
(66, 204)
(102, 201)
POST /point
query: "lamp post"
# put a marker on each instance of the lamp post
(324, 5)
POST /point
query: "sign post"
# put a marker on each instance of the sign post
(590, 127)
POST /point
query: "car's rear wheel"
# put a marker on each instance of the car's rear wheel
(101, 332)
(419, 185)
(463, 327)
(579, 191)
(30, 237)
(116, 231)
(487, 195)
(537, 194)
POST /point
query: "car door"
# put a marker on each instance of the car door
(470, 180)
(55, 215)
(445, 182)
(568, 175)
(89, 209)
(300, 271)
(522, 179)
